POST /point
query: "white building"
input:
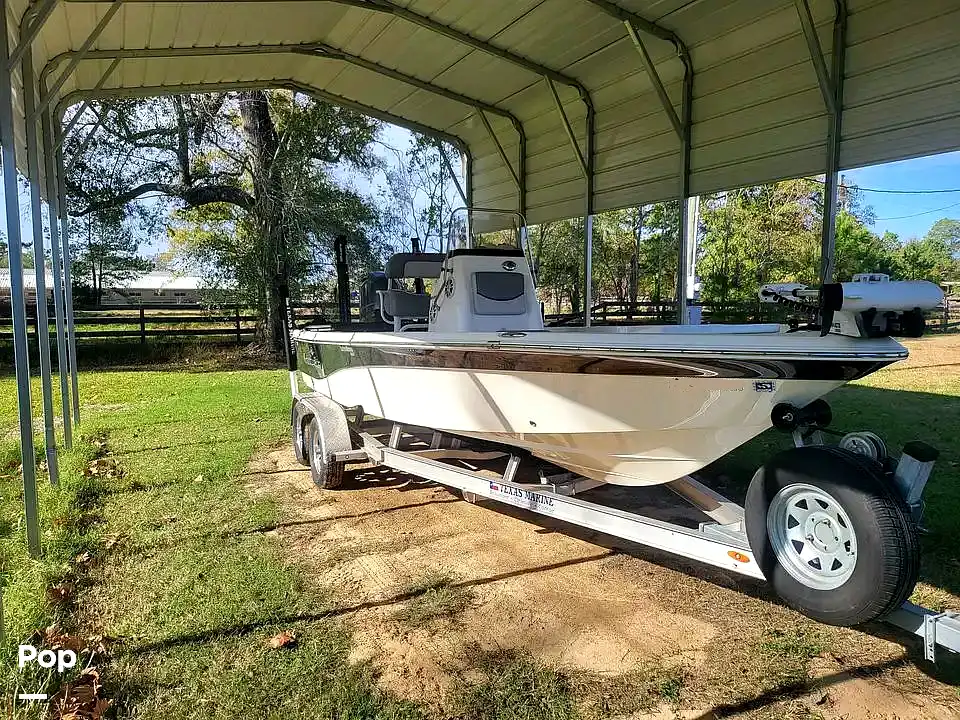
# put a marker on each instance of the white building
(157, 287)
(29, 283)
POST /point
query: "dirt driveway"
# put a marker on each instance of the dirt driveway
(615, 618)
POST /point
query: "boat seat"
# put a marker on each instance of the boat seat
(414, 265)
(403, 304)
(398, 304)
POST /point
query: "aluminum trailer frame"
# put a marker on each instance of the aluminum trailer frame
(721, 542)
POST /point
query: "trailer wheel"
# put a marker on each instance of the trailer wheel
(326, 473)
(301, 441)
(832, 535)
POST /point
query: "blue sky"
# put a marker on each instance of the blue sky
(911, 215)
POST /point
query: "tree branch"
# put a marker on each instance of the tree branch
(192, 196)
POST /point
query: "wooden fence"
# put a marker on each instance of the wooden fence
(225, 323)
(234, 323)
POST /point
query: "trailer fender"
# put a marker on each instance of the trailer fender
(332, 421)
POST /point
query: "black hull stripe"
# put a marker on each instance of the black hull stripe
(322, 359)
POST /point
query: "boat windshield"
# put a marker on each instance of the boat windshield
(481, 228)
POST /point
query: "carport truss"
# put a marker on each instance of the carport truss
(611, 151)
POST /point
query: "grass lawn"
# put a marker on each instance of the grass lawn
(154, 543)
(191, 588)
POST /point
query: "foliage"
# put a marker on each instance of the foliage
(757, 235)
(248, 176)
(421, 195)
(860, 250)
(106, 253)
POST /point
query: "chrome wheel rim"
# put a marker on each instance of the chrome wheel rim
(812, 536)
(317, 456)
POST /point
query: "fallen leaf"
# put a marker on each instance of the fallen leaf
(285, 638)
(198, 478)
(61, 593)
(80, 699)
(169, 518)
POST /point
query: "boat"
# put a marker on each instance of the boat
(468, 373)
(639, 405)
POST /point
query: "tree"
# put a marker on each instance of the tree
(859, 250)
(758, 235)
(421, 195)
(946, 232)
(106, 253)
(248, 176)
(558, 258)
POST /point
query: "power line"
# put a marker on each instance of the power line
(925, 212)
(900, 192)
(891, 191)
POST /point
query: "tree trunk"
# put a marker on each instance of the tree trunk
(262, 143)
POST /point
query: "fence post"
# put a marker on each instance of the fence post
(143, 327)
(237, 316)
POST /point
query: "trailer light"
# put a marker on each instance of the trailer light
(738, 556)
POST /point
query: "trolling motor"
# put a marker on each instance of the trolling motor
(870, 306)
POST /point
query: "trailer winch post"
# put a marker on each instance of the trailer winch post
(343, 279)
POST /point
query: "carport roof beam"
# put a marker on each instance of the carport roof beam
(827, 89)
(382, 6)
(293, 85)
(568, 128)
(654, 77)
(322, 50)
(86, 103)
(500, 150)
(27, 35)
(75, 59)
(449, 166)
(327, 51)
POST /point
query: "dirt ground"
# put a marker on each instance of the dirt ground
(590, 605)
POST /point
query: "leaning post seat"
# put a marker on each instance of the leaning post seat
(483, 290)
(398, 304)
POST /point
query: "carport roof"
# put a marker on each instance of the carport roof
(473, 71)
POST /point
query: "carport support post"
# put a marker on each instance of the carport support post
(63, 370)
(828, 236)
(68, 284)
(831, 88)
(17, 299)
(39, 263)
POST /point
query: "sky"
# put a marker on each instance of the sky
(918, 192)
(911, 215)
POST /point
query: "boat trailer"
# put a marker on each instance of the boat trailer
(322, 429)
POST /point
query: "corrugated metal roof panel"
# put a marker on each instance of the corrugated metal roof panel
(757, 112)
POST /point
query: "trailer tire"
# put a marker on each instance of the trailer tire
(299, 430)
(814, 506)
(327, 474)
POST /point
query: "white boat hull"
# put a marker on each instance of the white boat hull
(621, 430)
(630, 409)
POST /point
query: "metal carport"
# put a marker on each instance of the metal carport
(563, 107)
